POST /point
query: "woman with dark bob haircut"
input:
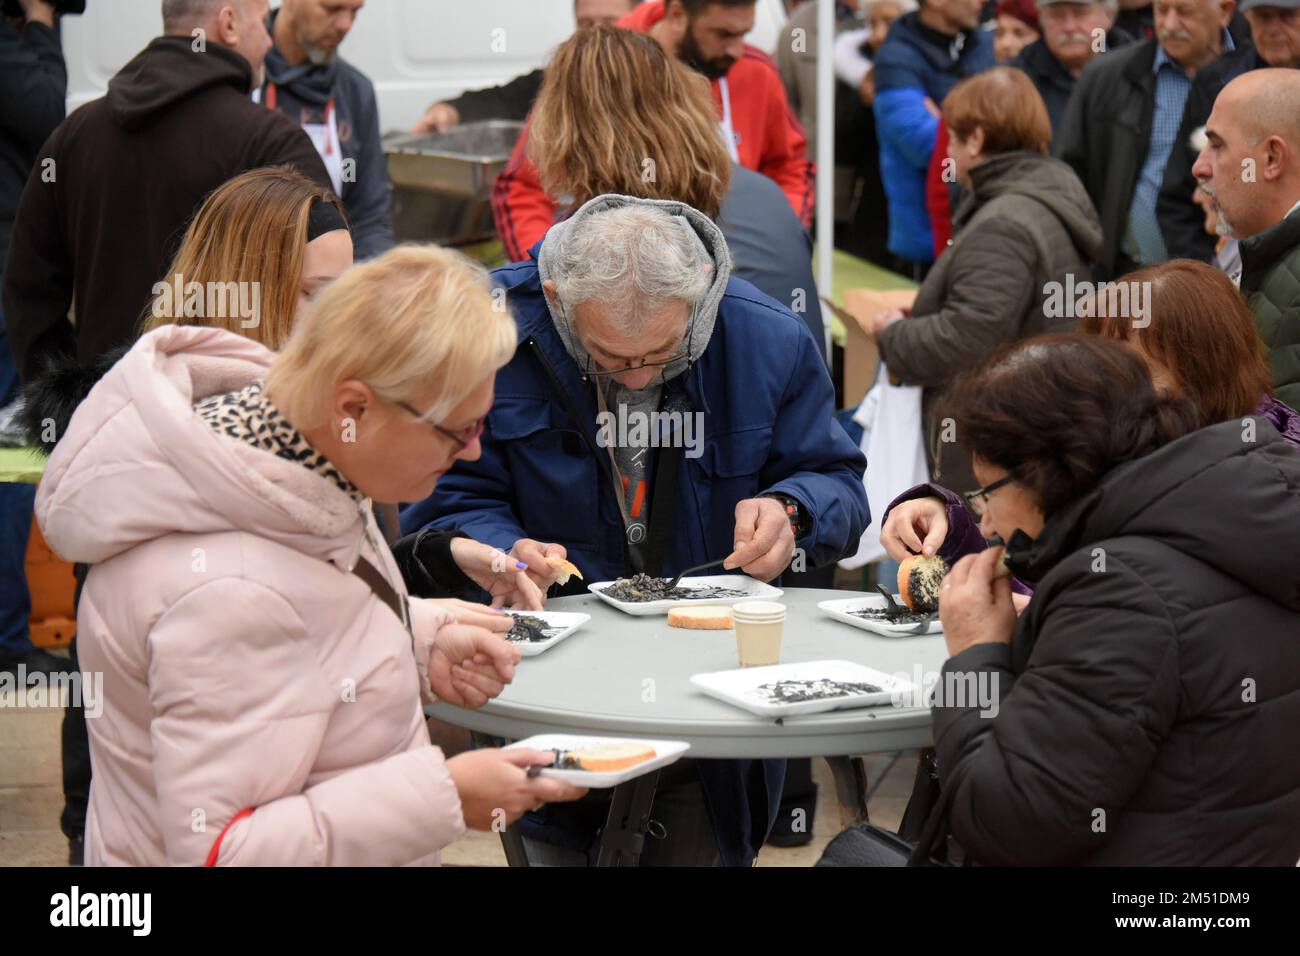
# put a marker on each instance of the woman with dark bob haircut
(1143, 706)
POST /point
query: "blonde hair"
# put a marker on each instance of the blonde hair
(618, 115)
(249, 234)
(417, 315)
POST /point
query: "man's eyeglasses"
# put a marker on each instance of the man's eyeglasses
(591, 372)
(463, 438)
(975, 499)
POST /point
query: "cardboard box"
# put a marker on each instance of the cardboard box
(861, 356)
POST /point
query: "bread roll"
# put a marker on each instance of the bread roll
(918, 582)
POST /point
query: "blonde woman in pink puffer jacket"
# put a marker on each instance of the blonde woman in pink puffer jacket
(262, 699)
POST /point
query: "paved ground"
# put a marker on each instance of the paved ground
(31, 798)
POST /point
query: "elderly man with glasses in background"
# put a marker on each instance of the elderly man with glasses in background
(1121, 125)
(726, 446)
(1073, 33)
(1189, 232)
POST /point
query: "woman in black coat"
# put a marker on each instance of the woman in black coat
(1143, 709)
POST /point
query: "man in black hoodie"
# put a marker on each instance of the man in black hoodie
(115, 186)
(103, 212)
(1074, 32)
(33, 90)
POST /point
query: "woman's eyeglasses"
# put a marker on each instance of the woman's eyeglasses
(975, 499)
(463, 438)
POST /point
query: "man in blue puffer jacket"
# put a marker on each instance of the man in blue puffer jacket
(924, 56)
(628, 312)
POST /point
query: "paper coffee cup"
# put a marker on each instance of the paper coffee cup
(758, 631)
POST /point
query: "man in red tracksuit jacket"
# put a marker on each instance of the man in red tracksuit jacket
(765, 134)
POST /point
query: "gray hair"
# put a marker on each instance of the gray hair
(180, 16)
(634, 260)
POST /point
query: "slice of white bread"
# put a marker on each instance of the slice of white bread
(701, 618)
(565, 568)
(602, 758)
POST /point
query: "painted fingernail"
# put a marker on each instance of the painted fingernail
(521, 566)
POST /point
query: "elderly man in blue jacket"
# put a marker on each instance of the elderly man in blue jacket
(657, 414)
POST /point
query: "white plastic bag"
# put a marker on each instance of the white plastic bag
(893, 440)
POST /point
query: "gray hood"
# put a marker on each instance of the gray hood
(702, 227)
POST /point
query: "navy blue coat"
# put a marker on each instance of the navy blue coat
(769, 425)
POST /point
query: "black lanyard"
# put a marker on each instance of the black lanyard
(663, 509)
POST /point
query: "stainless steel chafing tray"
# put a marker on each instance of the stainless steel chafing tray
(442, 182)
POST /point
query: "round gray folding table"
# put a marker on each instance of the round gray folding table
(627, 676)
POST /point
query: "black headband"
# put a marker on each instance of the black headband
(324, 217)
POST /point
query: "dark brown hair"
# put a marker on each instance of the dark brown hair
(1063, 410)
(1197, 326)
(1005, 104)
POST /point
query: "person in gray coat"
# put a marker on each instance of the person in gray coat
(1025, 236)
(335, 104)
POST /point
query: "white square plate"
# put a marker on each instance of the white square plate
(666, 752)
(842, 610)
(754, 591)
(740, 688)
(560, 625)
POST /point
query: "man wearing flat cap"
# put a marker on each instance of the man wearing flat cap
(1072, 33)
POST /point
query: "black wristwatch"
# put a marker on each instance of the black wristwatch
(794, 511)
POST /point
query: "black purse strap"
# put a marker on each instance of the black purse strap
(934, 837)
(377, 583)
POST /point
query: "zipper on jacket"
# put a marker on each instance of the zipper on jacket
(366, 536)
(361, 541)
(566, 401)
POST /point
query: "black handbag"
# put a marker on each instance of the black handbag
(869, 845)
(866, 845)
